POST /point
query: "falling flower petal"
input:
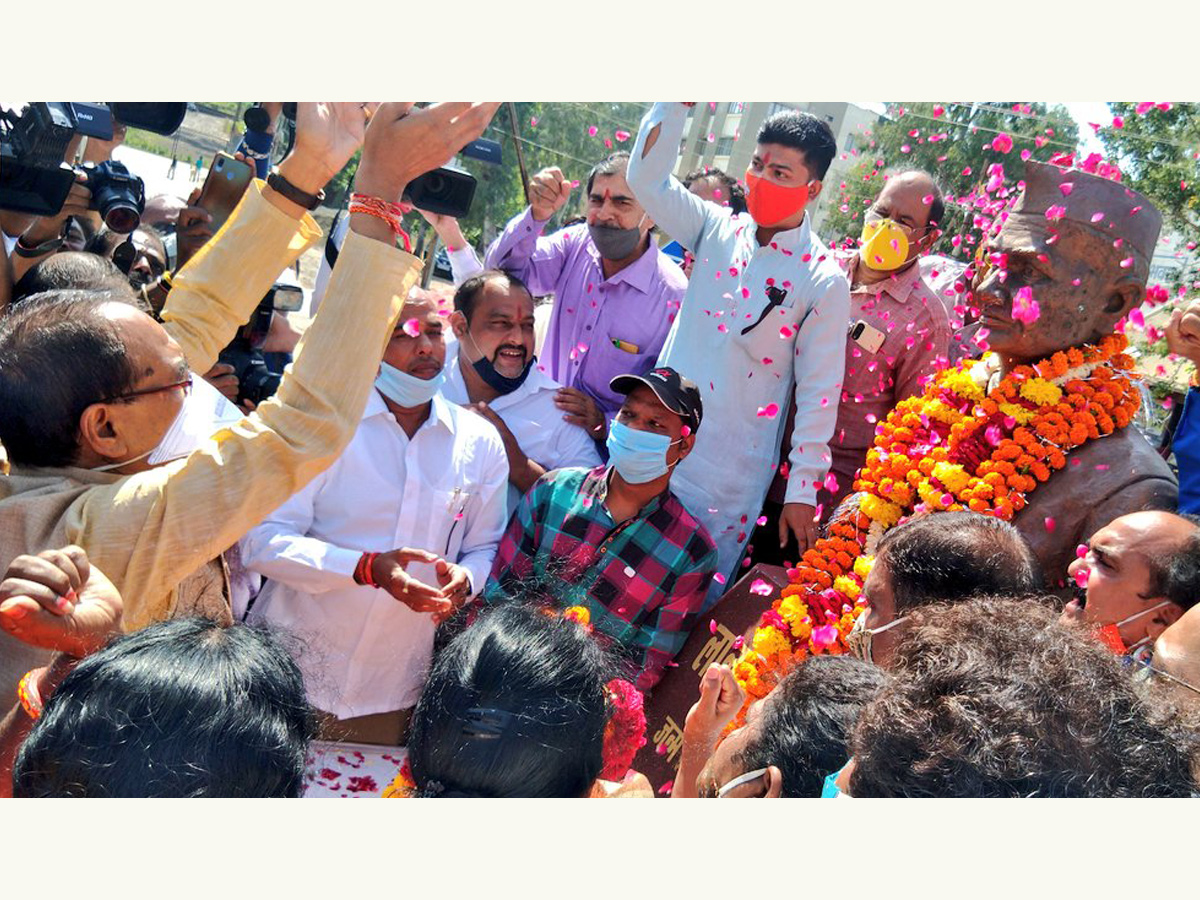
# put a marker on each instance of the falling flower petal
(622, 136)
(1082, 576)
(1127, 262)
(760, 587)
(719, 578)
(1049, 523)
(1081, 551)
(593, 131)
(1143, 108)
(533, 120)
(1002, 143)
(1025, 308)
(824, 636)
(785, 332)
(938, 111)
(712, 626)
(770, 411)
(412, 328)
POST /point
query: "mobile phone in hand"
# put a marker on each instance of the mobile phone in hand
(223, 188)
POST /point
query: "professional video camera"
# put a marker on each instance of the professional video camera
(35, 179)
(255, 381)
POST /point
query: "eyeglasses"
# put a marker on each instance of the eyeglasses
(186, 384)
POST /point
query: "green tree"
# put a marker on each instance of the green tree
(1157, 150)
(957, 143)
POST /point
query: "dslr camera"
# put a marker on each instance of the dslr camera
(34, 178)
(256, 382)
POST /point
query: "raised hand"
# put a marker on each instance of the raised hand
(1183, 332)
(327, 134)
(548, 192)
(403, 142)
(57, 600)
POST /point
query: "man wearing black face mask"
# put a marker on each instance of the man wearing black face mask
(492, 370)
(615, 293)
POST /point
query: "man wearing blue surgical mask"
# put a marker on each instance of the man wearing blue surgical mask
(399, 532)
(615, 539)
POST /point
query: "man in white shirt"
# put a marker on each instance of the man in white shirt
(399, 532)
(492, 369)
(764, 319)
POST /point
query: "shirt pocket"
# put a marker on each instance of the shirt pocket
(450, 513)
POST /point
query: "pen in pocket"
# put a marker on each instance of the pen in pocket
(624, 345)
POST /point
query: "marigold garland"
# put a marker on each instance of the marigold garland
(958, 446)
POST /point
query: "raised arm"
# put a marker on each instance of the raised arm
(674, 208)
(522, 249)
(188, 512)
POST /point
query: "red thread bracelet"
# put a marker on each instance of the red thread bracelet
(391, 213)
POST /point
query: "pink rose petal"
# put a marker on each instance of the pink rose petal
(770, 411)
(412, 328)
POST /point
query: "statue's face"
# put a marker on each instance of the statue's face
(1076, 280)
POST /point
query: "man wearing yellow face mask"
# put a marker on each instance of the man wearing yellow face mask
(899, 332)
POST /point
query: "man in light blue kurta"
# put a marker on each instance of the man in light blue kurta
(764, 317)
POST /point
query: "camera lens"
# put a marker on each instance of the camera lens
(121, 217)
(436, 184)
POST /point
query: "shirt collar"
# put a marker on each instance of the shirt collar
(898, 287)
(595, 485)
(537, 380)
(793, 240)
(439, 412)
(640, 274)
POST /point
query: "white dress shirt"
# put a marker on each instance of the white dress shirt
(747, 380)
(443, 491)
(530, 414)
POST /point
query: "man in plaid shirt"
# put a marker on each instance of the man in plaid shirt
(619, 541)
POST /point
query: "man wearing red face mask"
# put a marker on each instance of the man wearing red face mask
(764, 319)
(1139, 574)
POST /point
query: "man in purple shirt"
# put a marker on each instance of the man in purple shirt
(615, 294)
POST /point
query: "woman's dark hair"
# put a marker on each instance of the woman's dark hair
(806, 725)
(805, 132)
(515, 706)
(945, 556)
(184, 708)
(992, 697)
(59, 354)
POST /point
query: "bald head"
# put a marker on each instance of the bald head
(913, 198)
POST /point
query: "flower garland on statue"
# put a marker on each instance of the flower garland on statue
(624, 734)
(958, 446)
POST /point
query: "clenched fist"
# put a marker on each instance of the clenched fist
(548, 192)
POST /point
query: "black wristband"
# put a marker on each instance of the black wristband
(285, 188)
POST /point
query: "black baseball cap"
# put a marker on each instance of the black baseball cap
(678, 394)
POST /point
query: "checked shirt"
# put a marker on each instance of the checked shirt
(643, 581)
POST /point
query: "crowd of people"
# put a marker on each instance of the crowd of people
(483, 530)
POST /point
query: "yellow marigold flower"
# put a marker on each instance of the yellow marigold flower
(885, 513)
(862, 567)
(961, 383)
(936, 409)
(792, 609)
(1041, 392)
(847, 586)
(769, 640)
(746, 674)
(954, 477)
(1020, 413)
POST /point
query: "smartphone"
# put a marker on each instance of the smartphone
(287, 297)
(866, 336)
(226, 182)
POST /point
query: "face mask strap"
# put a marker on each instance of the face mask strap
(744, 778)
(1143, 612)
